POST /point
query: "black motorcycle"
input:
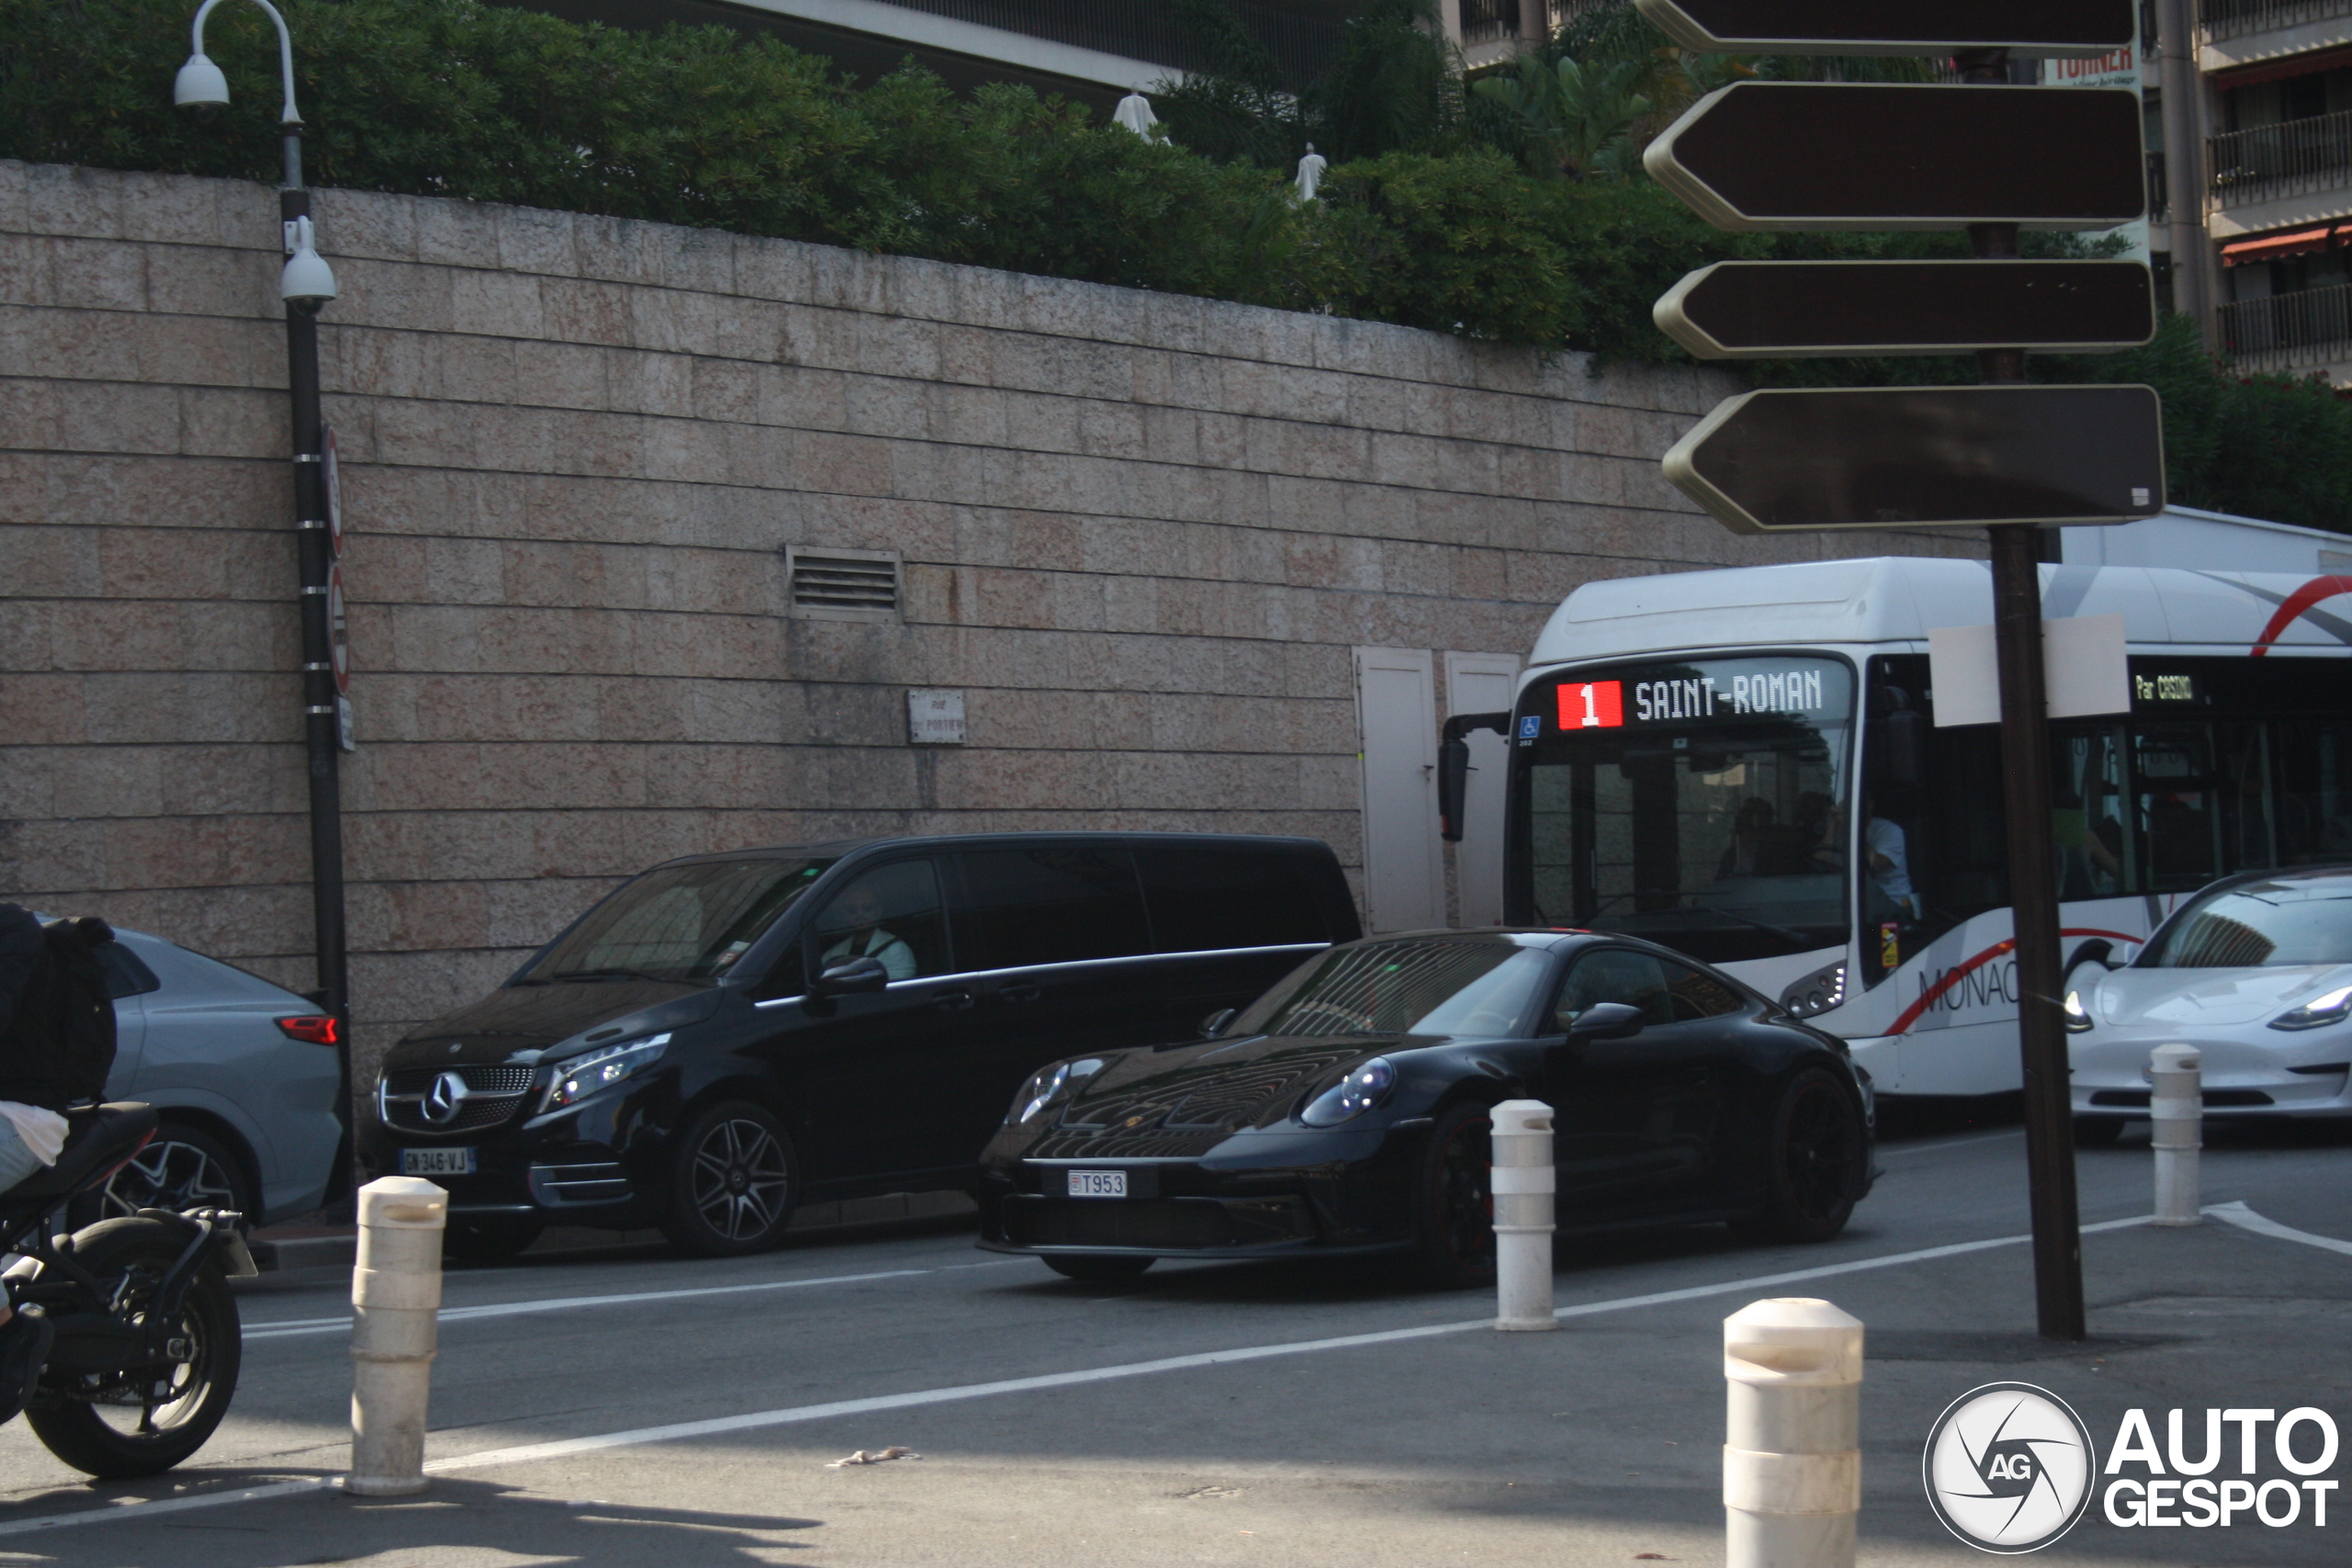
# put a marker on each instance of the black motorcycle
(147, 1345)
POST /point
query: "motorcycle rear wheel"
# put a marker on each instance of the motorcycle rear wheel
(143, 1420)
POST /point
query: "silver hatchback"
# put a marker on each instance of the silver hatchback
(242, 1072)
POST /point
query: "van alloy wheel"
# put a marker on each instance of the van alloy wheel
(733, 1191)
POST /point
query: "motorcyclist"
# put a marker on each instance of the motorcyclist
(30, 1138)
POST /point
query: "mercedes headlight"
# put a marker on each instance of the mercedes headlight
(1352, 1096)
(579, 1077)
(2078, 1016)
(1048, 1087)
(2329, 1008)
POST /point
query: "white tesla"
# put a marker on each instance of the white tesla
(2255, 972)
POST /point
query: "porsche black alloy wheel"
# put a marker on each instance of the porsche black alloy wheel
(1814, 1162)
(1101, 1270)
(1455, 1218)
(731, 1186)
(143, 1420)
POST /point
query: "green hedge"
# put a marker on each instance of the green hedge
(707, 128)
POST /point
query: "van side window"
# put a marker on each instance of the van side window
(891, 913)
(1048, 906)
(1209, 898)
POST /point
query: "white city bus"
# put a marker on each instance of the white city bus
(1744, 765)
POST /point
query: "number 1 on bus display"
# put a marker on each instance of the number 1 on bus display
(1592, 705)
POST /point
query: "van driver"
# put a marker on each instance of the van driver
(860, 910)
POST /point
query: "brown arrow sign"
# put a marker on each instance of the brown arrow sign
(1891, 458)
(1774, 309)
(2046, 28)
(1808, 155)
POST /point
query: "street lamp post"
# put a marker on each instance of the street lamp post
(306, 284)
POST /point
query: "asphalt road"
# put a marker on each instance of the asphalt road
(1420, 1437)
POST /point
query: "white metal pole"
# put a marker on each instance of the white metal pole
(2176, 1117)
(1792, 1464)
(395, 1327)
(1524, 1183)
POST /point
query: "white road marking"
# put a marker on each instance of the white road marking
(293, 1327)
(529, 1453)
(2238, 1214)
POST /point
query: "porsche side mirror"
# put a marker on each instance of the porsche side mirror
(850, 976)
(1606, 1020)
(1214, 1024)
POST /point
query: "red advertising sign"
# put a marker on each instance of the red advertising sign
(1594, 704)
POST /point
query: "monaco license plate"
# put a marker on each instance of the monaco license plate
(436, 1162)
(1097, 1183)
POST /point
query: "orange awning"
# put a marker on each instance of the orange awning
(2272, 247)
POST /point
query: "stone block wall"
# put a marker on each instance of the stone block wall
(1140, 532)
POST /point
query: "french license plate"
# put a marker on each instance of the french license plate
(436, 1162)
(1097, 1183)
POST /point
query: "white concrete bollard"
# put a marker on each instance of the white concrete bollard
(1522, 1185)
(395, 1327)
(1792, 1463)
(2176, 1131)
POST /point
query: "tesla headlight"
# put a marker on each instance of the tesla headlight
(583, 1075)
(1352, 1096)
(2329, 1008)
(1048, 1087)
(2078, 1016)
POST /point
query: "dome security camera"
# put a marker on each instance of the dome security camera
(308, 283)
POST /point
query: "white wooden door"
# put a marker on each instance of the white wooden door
(1481, 683)
(1404, 873)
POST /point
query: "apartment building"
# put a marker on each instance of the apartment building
(2269, 120)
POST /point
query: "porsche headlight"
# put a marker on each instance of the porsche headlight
(2078, 1016)
(2329, 1008)
(1352, 1096)
(1048, 1087)
(579, 1077)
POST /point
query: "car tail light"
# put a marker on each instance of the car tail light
(317, 1030)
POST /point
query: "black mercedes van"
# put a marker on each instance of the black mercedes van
(727, 1035)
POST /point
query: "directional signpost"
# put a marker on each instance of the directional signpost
(1991, 160)
(2058, 28)
(1792, 310)
(1848, 156)
(1778, 461)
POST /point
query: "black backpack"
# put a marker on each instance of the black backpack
(61, 1045)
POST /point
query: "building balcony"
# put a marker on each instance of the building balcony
(2296, 173)
(2303, 332)
(2235, 34)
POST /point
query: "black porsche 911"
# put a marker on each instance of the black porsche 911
(1346, 1112)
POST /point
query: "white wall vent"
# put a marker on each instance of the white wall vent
(842, 585)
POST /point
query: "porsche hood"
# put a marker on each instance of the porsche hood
(1185, 1102)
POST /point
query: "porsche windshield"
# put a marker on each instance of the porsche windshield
(1701, 804)
(684, 923)
(1403, 988)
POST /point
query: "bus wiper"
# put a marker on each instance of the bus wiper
(613, 971)
(1786, 933)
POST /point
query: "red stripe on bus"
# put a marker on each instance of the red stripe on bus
(1928, 998)
(2300, 600)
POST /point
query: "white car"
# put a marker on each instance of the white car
(2255, 972)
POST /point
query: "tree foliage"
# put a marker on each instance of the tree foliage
(1515, 215)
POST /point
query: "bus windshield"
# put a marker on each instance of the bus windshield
(1701, 804)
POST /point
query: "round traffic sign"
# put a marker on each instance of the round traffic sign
(332, 473)
(338, 632)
